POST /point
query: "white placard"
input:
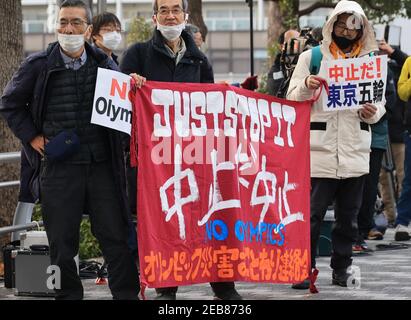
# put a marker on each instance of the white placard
(112, 107)
(353, 82)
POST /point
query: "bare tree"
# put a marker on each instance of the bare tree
(195, 8)
(11, 53)
(275, 23)
(284, 14)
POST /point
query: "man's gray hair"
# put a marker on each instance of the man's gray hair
(155, 6)
(78, 4)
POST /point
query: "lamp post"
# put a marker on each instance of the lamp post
(250, 5)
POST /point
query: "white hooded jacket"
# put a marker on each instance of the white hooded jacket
(340, 140)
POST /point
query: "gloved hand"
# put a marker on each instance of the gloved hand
(251, 83)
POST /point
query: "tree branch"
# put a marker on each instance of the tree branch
(318, 5)
(373, 6)
(315, 6)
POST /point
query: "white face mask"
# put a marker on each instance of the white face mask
(111, 40)
(171, 33)
(71, 42)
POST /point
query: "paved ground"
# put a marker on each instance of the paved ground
(385, 274)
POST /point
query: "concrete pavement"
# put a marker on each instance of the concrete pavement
(385, 274)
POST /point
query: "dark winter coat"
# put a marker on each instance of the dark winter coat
(23, 106)
(275, 77)
(151, 60)
(396, 121)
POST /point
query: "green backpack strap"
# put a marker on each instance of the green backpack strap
(316, 57)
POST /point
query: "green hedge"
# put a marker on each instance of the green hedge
(89, 247)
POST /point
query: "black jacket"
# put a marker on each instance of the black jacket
(396, 121)
(274, 84)
(25, 98)
(151, 60)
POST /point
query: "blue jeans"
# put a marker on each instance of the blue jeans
(404, 203)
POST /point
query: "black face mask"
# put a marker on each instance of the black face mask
(342, 42)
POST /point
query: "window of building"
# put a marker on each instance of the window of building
(34, 26)
(242, 24)
(223, 25)
(317, 18)
(231, 19)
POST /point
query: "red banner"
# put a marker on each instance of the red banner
(223, 185)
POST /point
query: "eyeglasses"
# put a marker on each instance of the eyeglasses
(76, 23)
(166, 11)
(108, 29)
(341, 27)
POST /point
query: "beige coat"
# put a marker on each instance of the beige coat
(342, 149)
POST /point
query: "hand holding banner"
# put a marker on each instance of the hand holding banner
(224, 180)
(223, 185)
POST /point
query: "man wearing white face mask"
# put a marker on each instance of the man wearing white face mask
(172, 56)
(106, 33)
(78, 167)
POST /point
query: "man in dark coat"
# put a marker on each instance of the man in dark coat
(276, 76)
(172, 56)
(51, 95)
(396, 129)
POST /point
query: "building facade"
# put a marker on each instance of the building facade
(228, 41)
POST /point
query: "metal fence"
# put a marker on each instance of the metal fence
(9, 157)
(24, 211)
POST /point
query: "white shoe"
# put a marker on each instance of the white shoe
(402, 233)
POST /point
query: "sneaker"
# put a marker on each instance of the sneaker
(402, 233)
(166, 296)
(357, 248)
(303, 285)
(374, 234)
(231, 294)
(360, 247)
(364, 246)
(340, 277)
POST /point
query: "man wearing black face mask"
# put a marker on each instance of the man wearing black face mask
(339, 140)
(346, 34)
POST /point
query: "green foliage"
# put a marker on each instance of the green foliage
(89, 247)
(379, 11)
(289, 10)
(273, 50)
(262, 78)
(386, 10)
(140, 30)
(262, 83)
(37, 213)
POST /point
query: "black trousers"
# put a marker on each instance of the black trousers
(219, 288)
(70, 190)
(347, 197)
(366, 214)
